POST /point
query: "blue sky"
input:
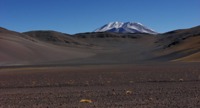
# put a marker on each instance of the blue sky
(75, 16)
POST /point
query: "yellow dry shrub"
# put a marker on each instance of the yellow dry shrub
(85, 101)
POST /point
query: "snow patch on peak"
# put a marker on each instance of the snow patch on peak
(115, 24)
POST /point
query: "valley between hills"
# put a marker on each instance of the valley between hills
(51, 47)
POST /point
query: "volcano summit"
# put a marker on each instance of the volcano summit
(127, 27)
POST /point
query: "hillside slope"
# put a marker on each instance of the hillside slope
(17, 48)
(180, 44)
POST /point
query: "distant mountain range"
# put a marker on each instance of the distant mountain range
(127, 27)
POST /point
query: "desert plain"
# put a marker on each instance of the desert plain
(48, 69)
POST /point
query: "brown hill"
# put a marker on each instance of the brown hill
(54, 37)
(17, 48)
(180, 44)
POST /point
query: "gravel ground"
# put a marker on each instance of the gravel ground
(124, 86)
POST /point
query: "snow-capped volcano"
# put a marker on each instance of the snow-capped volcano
(127, 27)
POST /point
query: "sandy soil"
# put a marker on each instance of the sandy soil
(171, 85)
